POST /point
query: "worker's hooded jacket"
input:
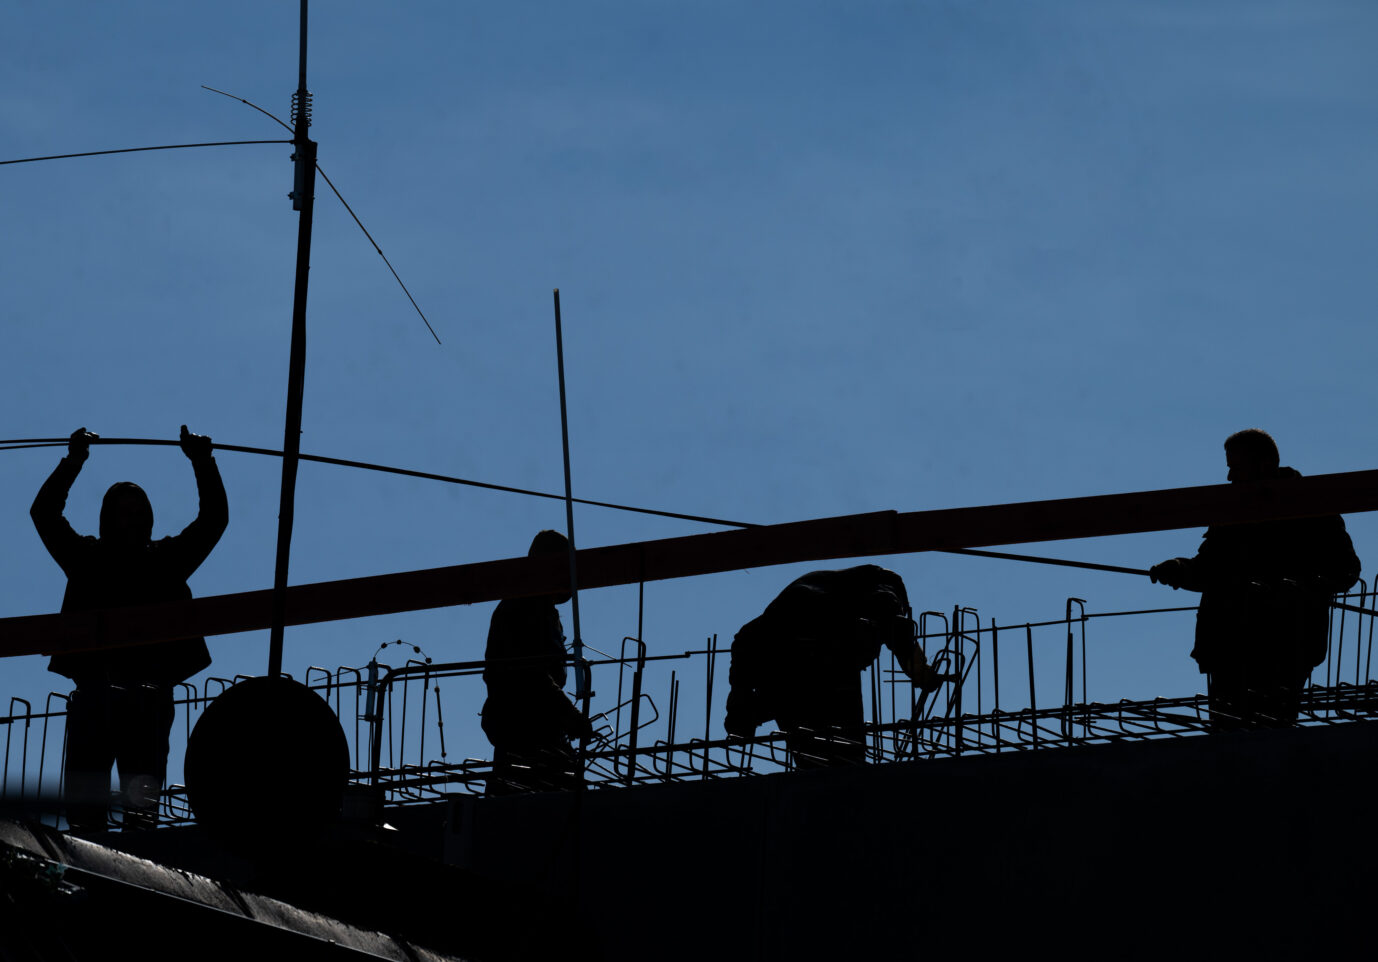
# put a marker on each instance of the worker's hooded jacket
(101, 573)
(1265, 592)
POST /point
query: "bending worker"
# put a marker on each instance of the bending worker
(798, 662)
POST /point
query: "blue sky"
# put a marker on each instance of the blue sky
(815, 259)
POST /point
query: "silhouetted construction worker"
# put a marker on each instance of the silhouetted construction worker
(798, 662)
(121, 710)
(527, 717)
(1265, 593)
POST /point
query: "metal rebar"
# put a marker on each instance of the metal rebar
(1335, 644)
(633, 735)
(708, 701)
(425, 702)
(995, 660)
(954, 640)
(402, 732)
(1033, 702)
(1368, 657)
(48, 713)
(976, 643)
(873, 674)
(617, 708)
(1069, 691)
(440, 723)
(673, 717)
(1359, 634)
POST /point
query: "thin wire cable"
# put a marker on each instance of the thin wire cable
(135, 150)
(22, 443)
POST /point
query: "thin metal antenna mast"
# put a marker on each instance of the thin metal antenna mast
(303, 200)
(581, 680)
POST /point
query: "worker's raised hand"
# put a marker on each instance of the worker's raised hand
(79, 444)
(195, 446)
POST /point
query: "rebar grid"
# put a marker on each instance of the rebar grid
(638, 743)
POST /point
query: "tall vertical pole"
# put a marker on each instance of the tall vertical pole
(581, 669)
(303, 200)
(581, 681)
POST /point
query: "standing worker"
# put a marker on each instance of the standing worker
(121, 710)
(1265, 596)
(798, 662)
(527, 717)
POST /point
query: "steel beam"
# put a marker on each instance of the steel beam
(825, 539)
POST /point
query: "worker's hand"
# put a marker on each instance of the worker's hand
(1167, 573)
(929, 681)
(583, 729)
(914, 664)
(79, 444)
(920, 672)
(195, 446)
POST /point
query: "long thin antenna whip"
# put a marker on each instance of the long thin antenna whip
(336, 191)
(331, 185)
(249, 103)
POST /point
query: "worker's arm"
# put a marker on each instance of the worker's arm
(909, 653)
(57, 535)
(747, 707)
(213, 514)
(1207, 569)
(1336, 566)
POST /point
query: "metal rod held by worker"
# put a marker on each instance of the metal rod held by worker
(1046, 561)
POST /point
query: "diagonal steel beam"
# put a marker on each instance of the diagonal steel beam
(849, 536)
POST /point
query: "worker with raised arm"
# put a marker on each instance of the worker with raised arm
(1265, 593)
(121, 709)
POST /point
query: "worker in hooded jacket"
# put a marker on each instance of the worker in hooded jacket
(1265, 598)
(121, 709)
(798, 662)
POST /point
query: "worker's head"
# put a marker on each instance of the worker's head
(1252, 455)
(883, 605)
(126, 517)
(549, 542)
